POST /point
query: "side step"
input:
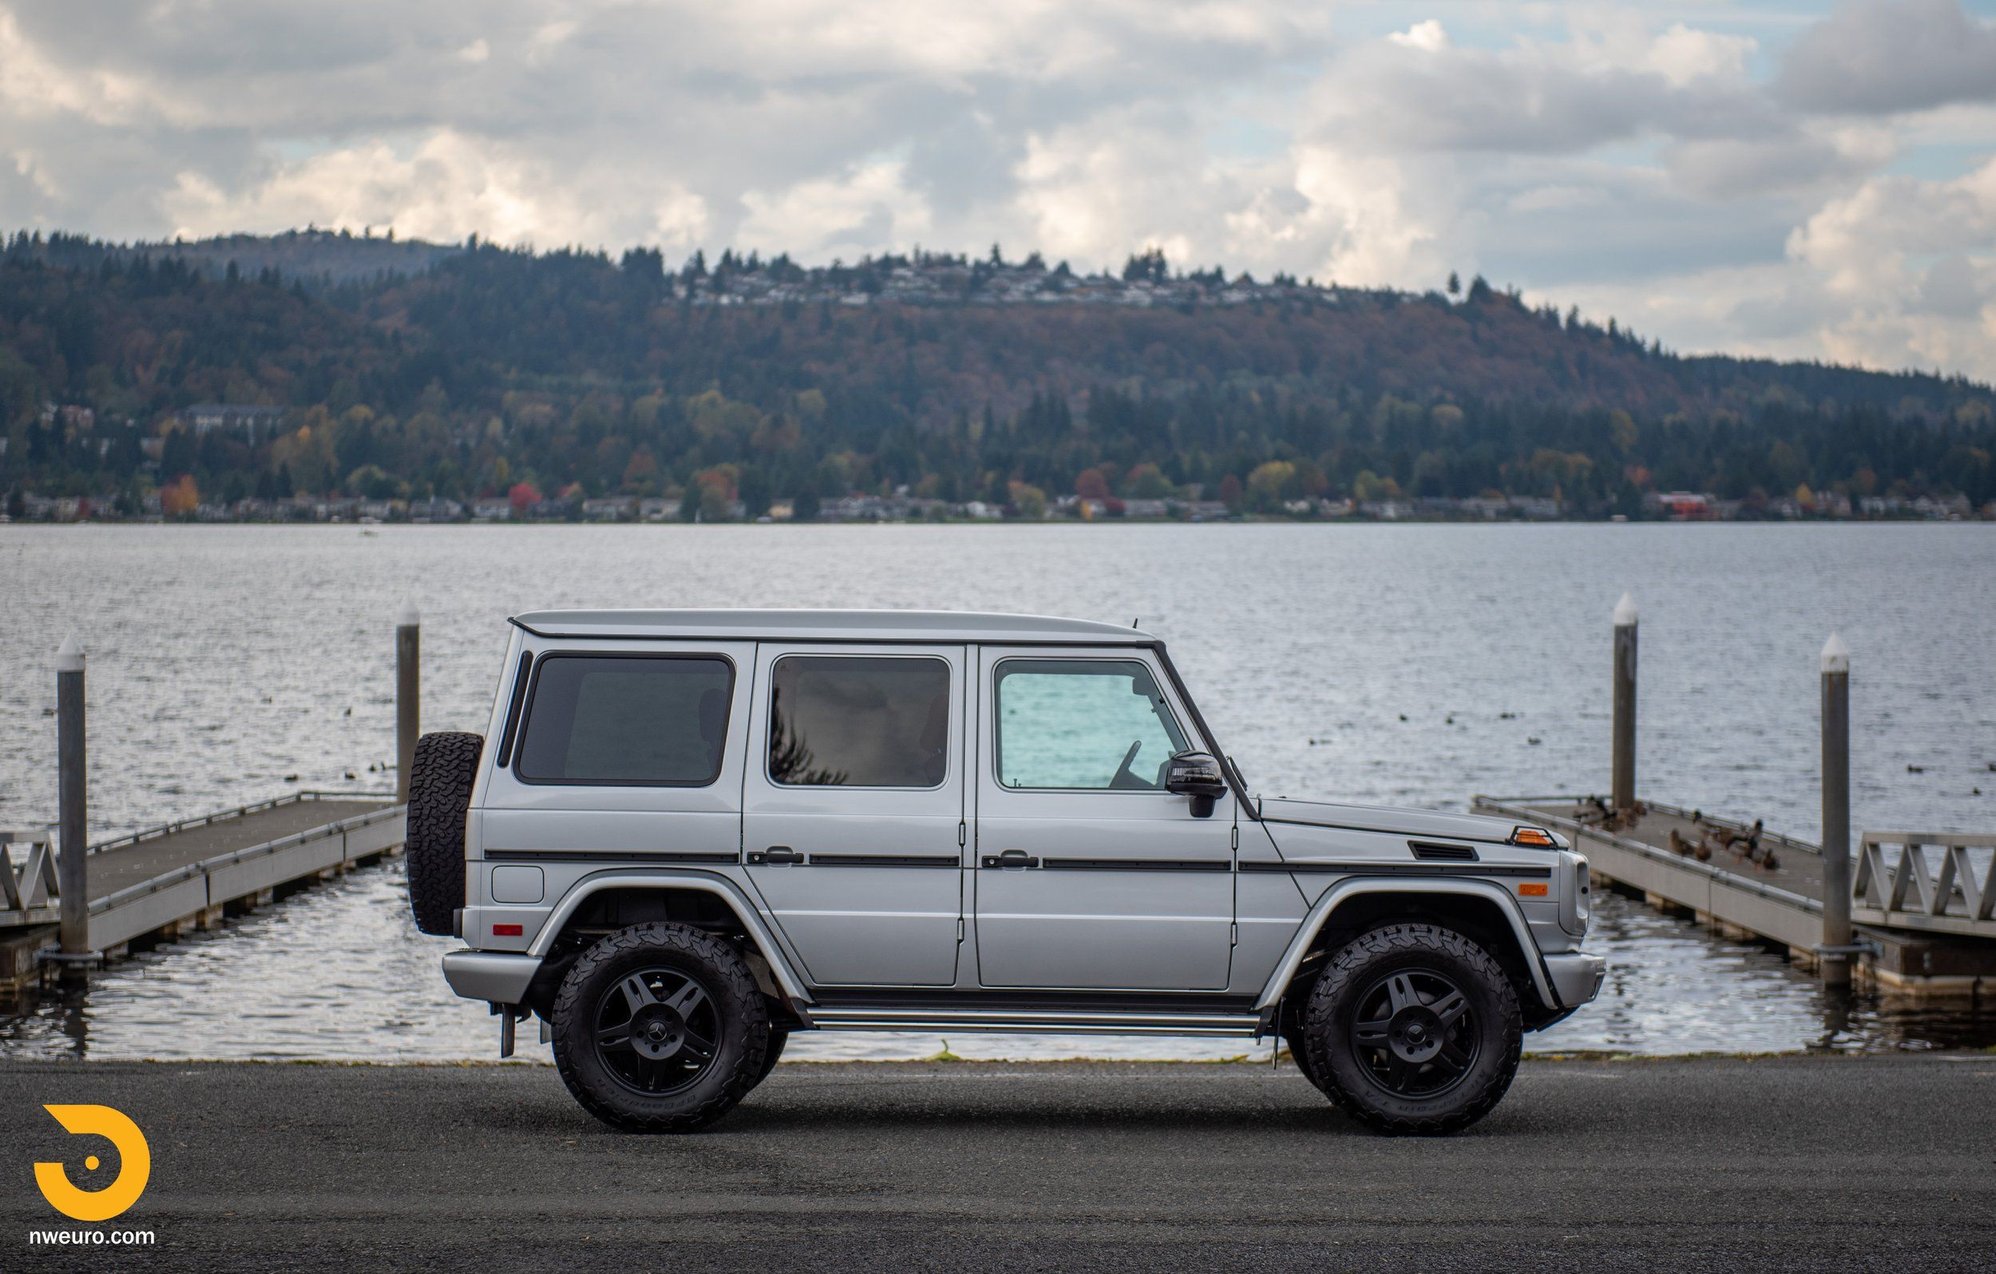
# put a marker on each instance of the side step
(1036, 1021)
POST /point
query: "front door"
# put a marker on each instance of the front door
(852, 808)
(1088, 873)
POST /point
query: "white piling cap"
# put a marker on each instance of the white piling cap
(69, 657)
(408, 616)
(1625, 611)
(1836, 655)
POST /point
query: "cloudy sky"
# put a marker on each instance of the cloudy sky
(1811, 180)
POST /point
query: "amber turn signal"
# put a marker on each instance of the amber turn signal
(1532, 836)
(1532, 891)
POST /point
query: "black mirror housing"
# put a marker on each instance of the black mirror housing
(1195, 774)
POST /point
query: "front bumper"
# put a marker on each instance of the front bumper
(498, 976)
(1575, 977)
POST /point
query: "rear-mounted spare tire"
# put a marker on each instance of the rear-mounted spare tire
(440, 780)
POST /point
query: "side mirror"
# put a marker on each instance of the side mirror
(1197, 775)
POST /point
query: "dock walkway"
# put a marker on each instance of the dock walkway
(1943, 945)
(156, 881)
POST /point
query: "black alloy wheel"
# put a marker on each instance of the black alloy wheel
(657, 1030)
(660, 1028)
(1415, 1033)
(1413, 1029)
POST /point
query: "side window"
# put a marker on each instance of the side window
(857, 721)
(659, 720)
(1093, 725)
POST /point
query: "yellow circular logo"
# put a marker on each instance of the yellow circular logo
(134, 1165)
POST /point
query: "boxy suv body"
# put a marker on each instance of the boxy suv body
(688, 834)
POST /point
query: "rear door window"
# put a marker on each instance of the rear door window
(859, 721)
(659, 720)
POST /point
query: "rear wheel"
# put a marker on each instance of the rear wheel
(1414, 1029)
(660, 1028)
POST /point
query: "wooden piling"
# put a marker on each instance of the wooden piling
(408, 694)
(1836, 960)
(1624, 766)
(73, 824)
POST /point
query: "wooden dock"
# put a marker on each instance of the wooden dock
(1925, 927)
(155, 883)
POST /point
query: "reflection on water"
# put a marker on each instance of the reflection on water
(1394, 665)
(339, 972)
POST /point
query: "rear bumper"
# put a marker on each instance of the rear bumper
(1575, 977)
(498, 976)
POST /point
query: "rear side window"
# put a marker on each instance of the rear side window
(660, 720)
(854, 721)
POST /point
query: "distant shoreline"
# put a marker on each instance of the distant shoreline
(1901, 520)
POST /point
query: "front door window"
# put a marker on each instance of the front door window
(1082, 725)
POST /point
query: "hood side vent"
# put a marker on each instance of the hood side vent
(1438, 851)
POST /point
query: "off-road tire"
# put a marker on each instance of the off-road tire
(742, 1038)
(1495, 1028)
(440, 779)
(1299, 1053)
(778, 1037)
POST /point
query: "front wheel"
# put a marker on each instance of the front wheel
(660, 1028)
(1414, 1029)
(778, 1037)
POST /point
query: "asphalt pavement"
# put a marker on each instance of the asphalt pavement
(1882, 1163)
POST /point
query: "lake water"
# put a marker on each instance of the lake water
(1394, 664)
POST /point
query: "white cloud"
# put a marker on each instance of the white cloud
(1429, 36)
(448, 186)
(1720, 177)
(1861, 244)
(845, 216)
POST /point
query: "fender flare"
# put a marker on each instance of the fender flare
(701, 882)
(1354, 886)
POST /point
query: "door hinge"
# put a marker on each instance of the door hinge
(1237, 838)
(962, 834)
(1233, 935)
(959, 928)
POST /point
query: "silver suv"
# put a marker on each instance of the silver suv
(688, 834)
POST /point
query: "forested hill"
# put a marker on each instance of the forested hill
(416, 370)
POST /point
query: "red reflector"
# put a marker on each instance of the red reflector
(506, 931)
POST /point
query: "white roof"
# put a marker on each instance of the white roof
(828, 625)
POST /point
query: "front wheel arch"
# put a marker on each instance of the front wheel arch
(1477, 909)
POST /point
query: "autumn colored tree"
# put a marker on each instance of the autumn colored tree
(1089, 484)
(180, 498)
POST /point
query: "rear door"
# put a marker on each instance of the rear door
(853, 807)
(1088, 873)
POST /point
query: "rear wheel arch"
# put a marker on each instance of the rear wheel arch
(614, 901)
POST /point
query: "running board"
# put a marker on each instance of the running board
(1036, 1021)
